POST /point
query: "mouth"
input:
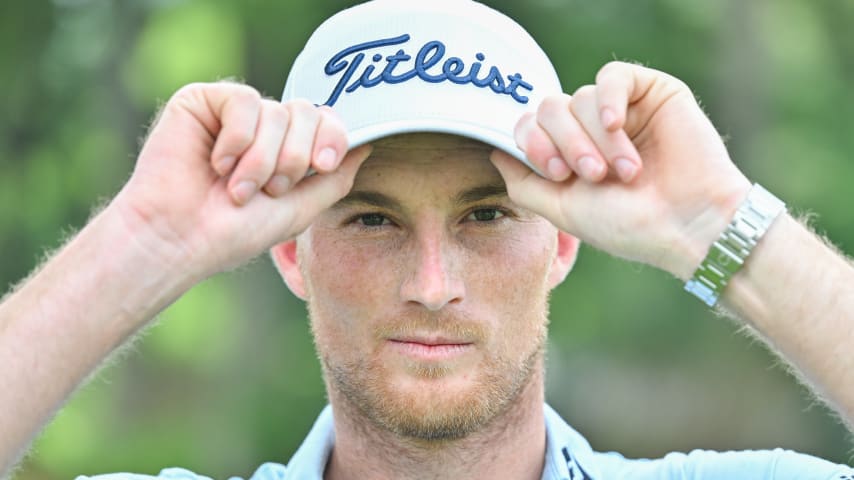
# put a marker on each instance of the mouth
(430, 348)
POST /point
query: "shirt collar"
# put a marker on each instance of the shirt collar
(309, 461)
(568, 455)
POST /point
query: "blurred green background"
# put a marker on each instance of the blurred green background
(227, 379)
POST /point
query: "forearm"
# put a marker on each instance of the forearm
(56, 329)
(799, 294)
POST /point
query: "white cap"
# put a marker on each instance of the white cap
(450, 66)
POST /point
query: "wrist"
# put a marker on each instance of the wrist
(700, 233)
(728, 254)
(151, 242)
(142, 276)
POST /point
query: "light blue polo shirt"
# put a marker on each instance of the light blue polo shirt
(568, 457)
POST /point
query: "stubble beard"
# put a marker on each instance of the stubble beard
(433, 415)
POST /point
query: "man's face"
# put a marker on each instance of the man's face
(427, 289)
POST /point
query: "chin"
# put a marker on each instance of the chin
(446, 408)
(430, 402)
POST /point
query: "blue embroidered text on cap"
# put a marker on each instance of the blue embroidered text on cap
(430, 54)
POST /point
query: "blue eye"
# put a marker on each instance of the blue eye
(485, 215)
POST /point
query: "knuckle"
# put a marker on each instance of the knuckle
(583, 92)
(276, 113)
(304, 109)
(553, 105)
(679, 85)
(669, 85)
(238, 137)
(301, 103)
(330, 113)
(188, 96)
(197, 86)
(331, 120)
(293, 161)
(234, 83)
(252, 166)
(609, 68)
(189, 90)
(244, 93)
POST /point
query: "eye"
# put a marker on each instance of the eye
(373, 220)
(485, 215)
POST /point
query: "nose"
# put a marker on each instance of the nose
(433, 278)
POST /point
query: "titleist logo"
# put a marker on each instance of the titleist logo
(427, 66)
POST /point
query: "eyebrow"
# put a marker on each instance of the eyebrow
(381, 200)
(479, 193)
(367, 197)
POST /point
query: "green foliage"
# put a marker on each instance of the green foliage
(190, 42)
(227, 379)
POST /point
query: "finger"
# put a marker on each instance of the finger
(330, 141)
(555, 117)
(530, 190)
(539, 148)
(295, 155)
(257, 164)
(319, 192)
(615, 146)
(614, 82)
(237, 109)
(620, 84)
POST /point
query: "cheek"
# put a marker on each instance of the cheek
(345, 282)
(510, 280)
(513, 264)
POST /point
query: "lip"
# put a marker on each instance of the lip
(430, 340)
(430, 348)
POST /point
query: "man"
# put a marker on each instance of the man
(426, 259)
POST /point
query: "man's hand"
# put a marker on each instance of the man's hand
(635, 168)
(221, 177)
(219, 180)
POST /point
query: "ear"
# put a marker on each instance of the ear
(567, 252)
(285, 258)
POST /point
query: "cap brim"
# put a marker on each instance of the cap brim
(367, 134)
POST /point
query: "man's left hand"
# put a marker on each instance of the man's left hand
(634, 168)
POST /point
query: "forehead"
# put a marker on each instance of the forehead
(437, 162)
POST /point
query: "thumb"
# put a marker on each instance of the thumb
(531, 191)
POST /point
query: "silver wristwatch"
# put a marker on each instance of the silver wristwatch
(727, 255)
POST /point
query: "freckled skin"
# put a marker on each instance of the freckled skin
(431, 268)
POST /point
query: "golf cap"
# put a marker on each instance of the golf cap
(449, 66)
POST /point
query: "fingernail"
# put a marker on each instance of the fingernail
(225, 164)
(626, 169)
(244, 191)
(608, 117)
(590, 167)
(278, 185)
(558, 169)
(326, 159)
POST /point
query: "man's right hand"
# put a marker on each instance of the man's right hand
(221, 176)
(208, 193)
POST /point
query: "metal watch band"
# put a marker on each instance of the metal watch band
(727, 255)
